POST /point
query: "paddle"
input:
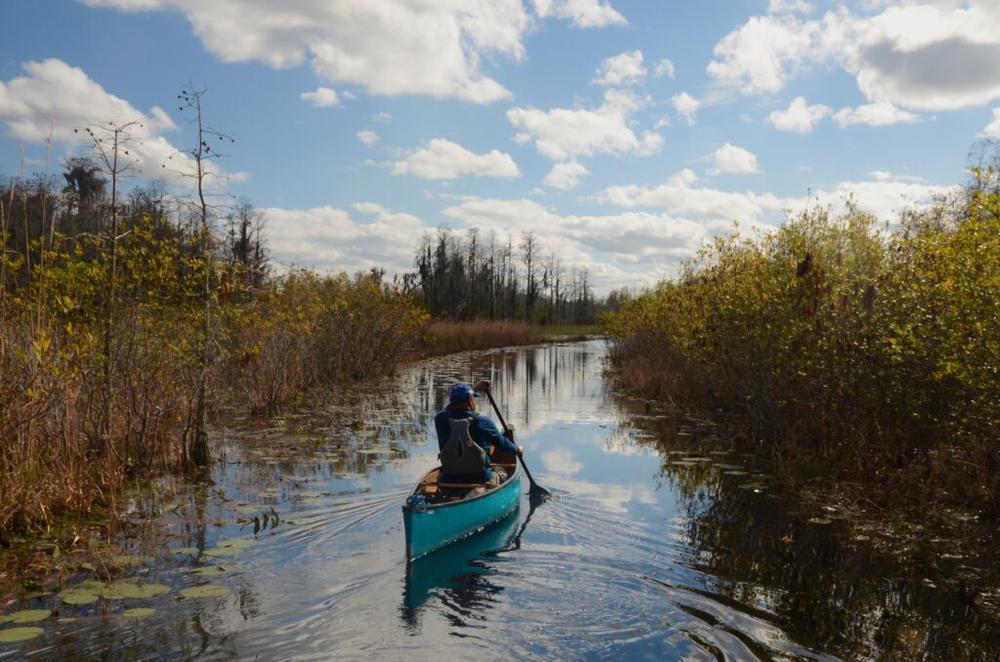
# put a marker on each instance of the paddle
(535, 490)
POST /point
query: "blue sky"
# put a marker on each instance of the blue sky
(623, 133)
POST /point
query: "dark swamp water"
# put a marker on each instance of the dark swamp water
(661, 543)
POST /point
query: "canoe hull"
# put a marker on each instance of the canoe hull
(438, 525)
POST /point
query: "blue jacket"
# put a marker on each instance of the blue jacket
(482, 430)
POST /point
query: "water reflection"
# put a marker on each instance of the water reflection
(664, 542)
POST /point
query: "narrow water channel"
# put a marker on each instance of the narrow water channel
(662, 543)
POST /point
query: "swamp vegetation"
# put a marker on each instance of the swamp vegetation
(860, 355)
(127, 320)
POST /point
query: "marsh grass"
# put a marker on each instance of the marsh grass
(446, 337)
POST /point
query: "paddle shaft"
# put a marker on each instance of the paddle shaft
(535, 487)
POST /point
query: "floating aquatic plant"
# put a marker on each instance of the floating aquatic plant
(26, 616)
(13, 635)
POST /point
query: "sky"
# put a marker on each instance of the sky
(623, 133)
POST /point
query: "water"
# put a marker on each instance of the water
(663, 542)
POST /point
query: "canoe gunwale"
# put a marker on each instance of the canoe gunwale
(436, 506)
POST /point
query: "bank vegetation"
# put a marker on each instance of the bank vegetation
(851, 351)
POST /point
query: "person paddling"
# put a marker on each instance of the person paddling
(465, 437)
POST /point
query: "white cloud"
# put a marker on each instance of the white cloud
(884, 195)
(637, 248)
(873, 114)
(388, 48)
(789, 7)
(730, 159)
(54, 96)
(761, 55)
(799, 117)
(381, 116)
(622, 69)
(992, 129)
(686, 106)
(330, 239)
(583, 13)
(368, 137)
(442, 159)
(566, 176)
(680, 195)
(664, 68)
(321, 97)
(929, 55)
(564, 133)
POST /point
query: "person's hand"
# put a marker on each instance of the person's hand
(482, 386)
(520, 450)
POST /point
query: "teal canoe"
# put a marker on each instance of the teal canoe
(436, 515)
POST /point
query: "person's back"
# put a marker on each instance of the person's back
(465, 437)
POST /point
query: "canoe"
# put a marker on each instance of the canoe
(437, 514)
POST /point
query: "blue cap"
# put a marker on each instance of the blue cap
(461, 392)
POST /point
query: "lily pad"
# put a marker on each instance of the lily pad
(12, 635)
(78, 596)
(185, 550)
(819, 520)
(123, 589)
(735, 472)
(139, 612)
(26, 616)
(756, 487)
(228, 547)
(205, 591)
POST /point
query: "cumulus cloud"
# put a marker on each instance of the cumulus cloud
(330, 239)
(637, 248)
(622, 69)
(583, 13)
(686, 106)
(388, 48)
(799, 117)
(733, 160)
(381, 116)
(873, 114)
(930, 55)
(565, 133)
(321, 97)
(681, 195)
(762, 54)
(566, 176)
(664, 68)
(884, 195)
(54, 96)
(442, 159)
(368, 137)
(992, 129)
(789, 7)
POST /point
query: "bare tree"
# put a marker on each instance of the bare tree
(201, 154)
(112, 146)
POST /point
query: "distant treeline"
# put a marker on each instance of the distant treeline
(471, 276)
(849, 352)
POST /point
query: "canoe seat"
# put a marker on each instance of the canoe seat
(460, 486)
